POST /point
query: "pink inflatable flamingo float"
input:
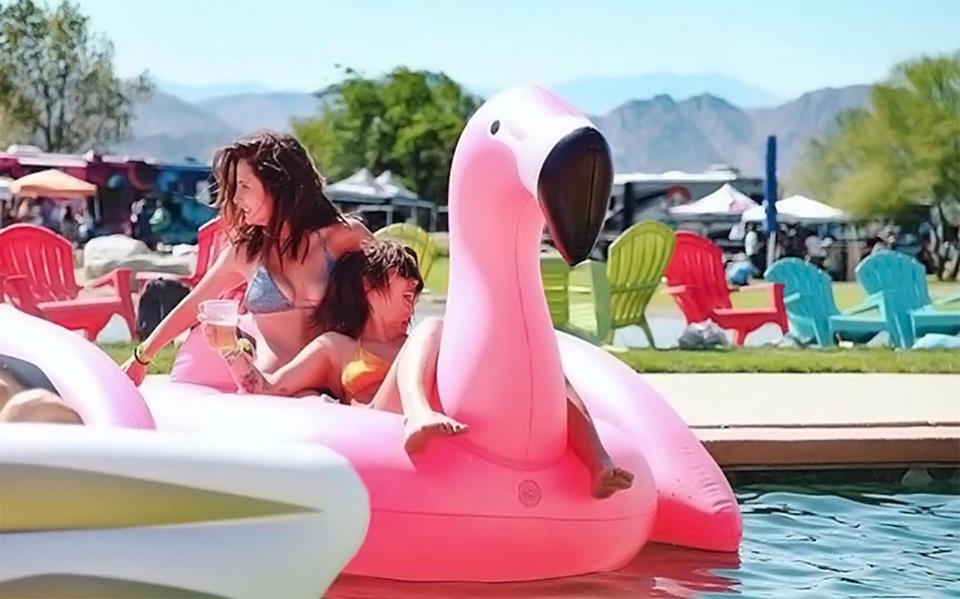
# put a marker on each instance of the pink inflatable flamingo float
(508, 500)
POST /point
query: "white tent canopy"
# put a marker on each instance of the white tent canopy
(798, 209)
(393, 187)
(727, 200)
(360, 183)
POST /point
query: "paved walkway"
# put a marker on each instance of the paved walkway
(745, 400)
(772, 421)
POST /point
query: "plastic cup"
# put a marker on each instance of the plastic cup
(220, 317)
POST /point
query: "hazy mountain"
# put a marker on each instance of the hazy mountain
(661, 134)
(196, 93)
(598, 95)
(656, 134)
(167, 128)
(248, 112)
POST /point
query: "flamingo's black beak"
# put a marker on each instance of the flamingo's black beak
(574, 191)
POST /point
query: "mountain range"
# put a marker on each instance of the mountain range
(727, 123)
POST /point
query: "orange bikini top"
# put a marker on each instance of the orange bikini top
(365, 370)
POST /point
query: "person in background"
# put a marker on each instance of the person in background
(161, 219)
(814, 248)
(69, 227)
(753, 248)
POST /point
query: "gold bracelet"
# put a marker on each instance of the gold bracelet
(138, 356)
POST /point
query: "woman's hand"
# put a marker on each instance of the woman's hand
(135, 370)
(220, 338)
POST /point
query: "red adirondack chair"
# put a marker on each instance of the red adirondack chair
(37, 265)
(211, 238)
(698, 283)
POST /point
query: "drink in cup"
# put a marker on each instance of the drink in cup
(220, 317)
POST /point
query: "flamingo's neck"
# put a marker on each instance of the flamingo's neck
(499, 367)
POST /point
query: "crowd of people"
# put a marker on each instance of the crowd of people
(68, 219)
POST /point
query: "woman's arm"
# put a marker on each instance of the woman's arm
(348, 237)
(310, 369)
(223, 275)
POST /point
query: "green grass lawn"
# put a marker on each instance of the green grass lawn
(773, 360)
(763, 359)
(760, 359)
(162, 362)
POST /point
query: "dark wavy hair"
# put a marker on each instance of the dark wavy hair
(345, 307)
(289, 176)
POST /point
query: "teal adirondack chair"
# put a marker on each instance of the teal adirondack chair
(416, 239)
(910, 312)
(812, 311)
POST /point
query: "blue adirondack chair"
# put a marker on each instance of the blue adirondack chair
(910, 311)
(813, 313)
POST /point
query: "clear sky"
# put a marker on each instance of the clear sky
(787, 47)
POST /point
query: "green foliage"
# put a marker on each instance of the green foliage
(57, 83)
(408, 122)
(902, 151)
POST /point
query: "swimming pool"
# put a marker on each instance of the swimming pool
(863, 540)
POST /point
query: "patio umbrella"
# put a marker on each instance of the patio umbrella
(53, 184)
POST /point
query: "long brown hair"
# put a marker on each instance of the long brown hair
(345, 307)
(289, 176)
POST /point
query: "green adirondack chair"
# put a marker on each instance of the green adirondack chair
(812, 311)
(555, 275)
(620, 290)
(583, 319)
(416, 239)
(636, 262)
(910, 312)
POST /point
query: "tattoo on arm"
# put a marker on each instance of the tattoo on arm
(248, 377)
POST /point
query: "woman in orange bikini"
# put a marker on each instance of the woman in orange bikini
(366, 313)
(366, 358)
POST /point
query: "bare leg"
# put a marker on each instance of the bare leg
(38, 405)
(607, 478)
(410, 384)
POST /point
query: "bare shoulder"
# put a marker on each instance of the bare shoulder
(346, 237)
(334, 341)
(232, 258)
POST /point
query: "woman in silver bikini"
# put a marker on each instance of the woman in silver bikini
(285, 235)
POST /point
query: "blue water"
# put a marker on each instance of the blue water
(818, 541)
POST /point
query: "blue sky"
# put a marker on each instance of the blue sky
(787, 47)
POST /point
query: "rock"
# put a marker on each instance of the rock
(103, 254)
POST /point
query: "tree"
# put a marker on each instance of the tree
(407, 122)
(57, 81)
(902, 151)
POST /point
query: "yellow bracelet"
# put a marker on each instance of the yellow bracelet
(138, 356)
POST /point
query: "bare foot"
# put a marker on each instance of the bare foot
(419, 429)
(608, 479)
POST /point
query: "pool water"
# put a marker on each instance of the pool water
(867, 540)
